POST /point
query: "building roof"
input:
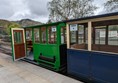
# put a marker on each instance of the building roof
(93, 17)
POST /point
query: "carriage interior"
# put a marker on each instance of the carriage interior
(104, 36)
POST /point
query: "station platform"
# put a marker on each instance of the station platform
(23, 72)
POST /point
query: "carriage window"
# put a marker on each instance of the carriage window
(86, 35)
(63, 35)
(106, 39)
(28, 34)
(52, 36)
(43, 35)
(81, 34)
(100, 35)
(37, 35)
(113, 35)
(77, 36)
(18, 37)
(73, 36)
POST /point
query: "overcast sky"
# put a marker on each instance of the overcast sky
(32, 9)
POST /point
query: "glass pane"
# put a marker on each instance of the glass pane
(100, 35)
(17, 33)
(29, 34)
(81, 34)
(86, 35)
(78, 37)
(63, 35)
(18, 37)
(73, 37)
(73, 33)
(52, 36)
(43, 35)
(15, 37)
(37, 35)
(113, 35)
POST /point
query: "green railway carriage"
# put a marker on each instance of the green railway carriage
(92, 47)
(44, 44)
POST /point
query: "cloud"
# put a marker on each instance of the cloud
(32, 9)
(101, 10)
(21, 9)
(5, 9)
(38, 7)
(100, 4)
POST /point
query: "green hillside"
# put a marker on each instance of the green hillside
(5, 25)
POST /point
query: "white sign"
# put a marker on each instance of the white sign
(102, 33)
(113, 34)
(73, 27)
(54, 29)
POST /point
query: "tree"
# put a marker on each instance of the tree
(70, 9)
(12, 25)
(111, 5)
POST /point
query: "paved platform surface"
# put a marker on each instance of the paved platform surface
(23, 72)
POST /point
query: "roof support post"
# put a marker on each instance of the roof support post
(89, 35)
(68, 35)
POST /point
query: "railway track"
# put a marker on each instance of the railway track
(5, 51)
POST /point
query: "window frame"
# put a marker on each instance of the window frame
(108, 35)
(49, 35)
(103, 27)
(82, 45)
(39, 33)
(41, 38)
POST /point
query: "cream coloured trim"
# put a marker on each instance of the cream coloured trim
(18, 29)
(89, 35)
(13, 41)
(68, 35)
(94, 19)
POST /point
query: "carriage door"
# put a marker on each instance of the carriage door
(18, 43)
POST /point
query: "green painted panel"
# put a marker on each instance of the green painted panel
(12, 44)
(47, 50)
